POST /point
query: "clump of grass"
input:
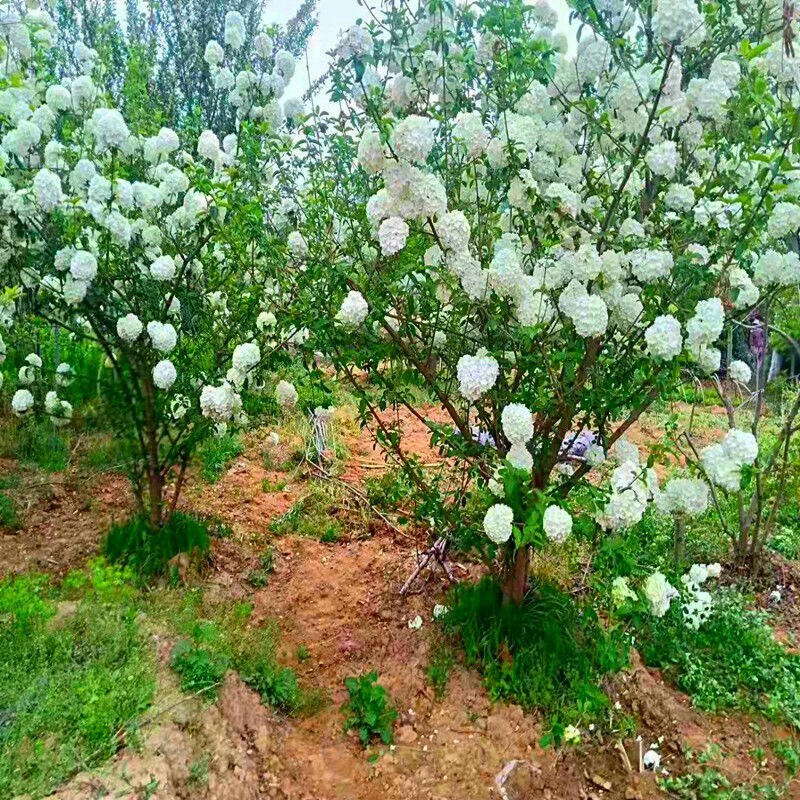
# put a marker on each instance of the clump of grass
(72, 684)
(441, 662)
(731, 662)
(218, 637)
(217, 453)
(134, 543)
(710, 784)
(313, 516)
(546, 654)
(36, 442)
(9, 517)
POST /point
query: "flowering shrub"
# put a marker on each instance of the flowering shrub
(159, 251)
(547, 240)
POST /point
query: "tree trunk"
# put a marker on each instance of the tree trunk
(516, 580)
(156, 497)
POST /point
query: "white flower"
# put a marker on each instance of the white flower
(246, 356)
(83, 266)
(663, 337)
(498, 523)
(439, 611)
(208, 146)
(355, 42)
(517, 423)
(297, 244)
(663, 159)
(163, 268)
(110, 130)
(785, 219)
(213, 54)
(659, 593)
(47, 186)
(648, 266)
(740, 446)
(683, 495)
(416, 623)
(557, 523)
(476, 375)
(353, 310)
(234, 30)
(520, 457)
(413, 137)
(739, 371)
(164, 374)
(286, 394)
(218, 403)
(22, 402)
(678, 21)
(621, 591)
(370, 151)
(129, 328)
(392, 235)
(572, 735)
(163, 336)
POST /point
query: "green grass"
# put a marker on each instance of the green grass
(217, 453)
(312, 516)
(546, 654)
(217, 637)
(9, 518)
(709, 784)
(71, 687)
(135, 544)
(36, 442)
(441, 662)
(732, 662)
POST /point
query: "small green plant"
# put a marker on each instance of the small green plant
(217, 453)
(267, 560)
(789, 753)
(786, 541)
(302, 653)
(331, 535)
(201, 669)
(147, 551)
(709, 784)
(198, 771)
(368, 709)
(9, 518)
(440, 666)
(258, 578)
(313, 516)
(268, 486)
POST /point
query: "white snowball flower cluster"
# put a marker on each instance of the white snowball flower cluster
(286, 394)
(588, 312)
(22, 402)
(517, 423)
(663, 159)
(163, 268)
(683, 496)
(498, 523)
(392, 235)
(47, 186)
(163, 336)
(702, 330)
(110, 130)
(297, 244)
(476, 375)
(678, 22)
(723, 462)
(773, 268)
(164, 374)
(219, 403)
(246, 356)
(659, 593)
(413, 137)
(129, 328)
(208, 145)
(557, 523)
(355, 42)
(59, 411)
(740, 372)
(784, 219)
(697, 603)
(234, 30)
(664, 339)
(353, 310)
(83, 266)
